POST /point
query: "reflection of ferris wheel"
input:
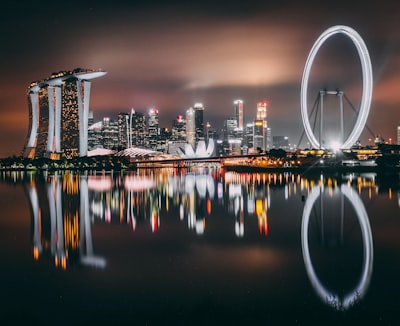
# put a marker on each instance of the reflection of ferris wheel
(366, 90)
(360, 289)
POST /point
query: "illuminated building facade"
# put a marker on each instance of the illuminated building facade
(269, 138)
(123, 129)
(398, 135)
(190, 127)
(59, 114)
(109, 133)
(199, 121)
(95, 137)
(230, 127)
(178, 129)
(258, 135)
(232, 137)
(153, 129)
(238, 112)
(138, 135)
(249, 135)
(262, 116)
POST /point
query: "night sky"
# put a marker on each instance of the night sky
(172, 54)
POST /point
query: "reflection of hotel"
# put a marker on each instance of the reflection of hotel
(60, 220)
(65, 206)
(58, 114)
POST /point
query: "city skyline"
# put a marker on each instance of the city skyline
(169, 55)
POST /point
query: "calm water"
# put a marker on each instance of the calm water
(199, 247)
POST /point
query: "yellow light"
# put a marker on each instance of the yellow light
(35, 253)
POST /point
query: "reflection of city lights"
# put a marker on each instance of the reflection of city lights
(155, 222)
(200, 226)
(220, 190)
(69, 223)
(181, 212)
(107, 215)
(208, 206)
(100, 183)
(137, 183)
(263, 224)
(239, 229)
(35, 253)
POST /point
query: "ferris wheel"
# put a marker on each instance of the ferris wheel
(366, 89)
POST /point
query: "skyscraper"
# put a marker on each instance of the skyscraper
(199, 121)
(152, 128)
(109, 133)
(138, 133)
(178, 129)
(398, 135)
(258, 135)
(262, 111)
(238, 112)
(132, 129)
(59, 113)
(190, 127)
(249, 135)
(269, 138)
(123, 129)
(262, 116)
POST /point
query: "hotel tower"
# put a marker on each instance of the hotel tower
(58, 114)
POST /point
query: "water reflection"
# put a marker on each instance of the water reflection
(334, 299)
(61, 220)
(65, 208)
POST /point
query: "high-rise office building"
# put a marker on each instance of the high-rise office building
(123, 129)
(152, 129)
(269, 139)
(262, 116)
(190, 127)
(398, 135)
(258, 135)
(238, 112)
(199, 121)
(249, 135)
(232, 137)
(262, 111)
(132, 129)
(59, 113)
(95, 137)
(230, 127)
(178, 132)
(139, 132)
(110, 134)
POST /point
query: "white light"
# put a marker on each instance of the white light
(367, 84)
(361, 288)
(335, 145)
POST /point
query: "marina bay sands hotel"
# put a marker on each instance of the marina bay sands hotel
(58, 114)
